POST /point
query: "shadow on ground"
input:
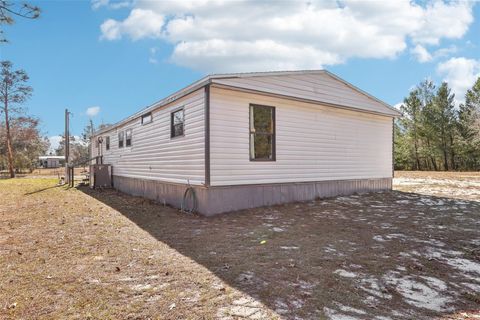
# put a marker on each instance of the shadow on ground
(392, 254)
(41, 190)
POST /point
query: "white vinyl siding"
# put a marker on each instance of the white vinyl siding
(316, 87)
(313, 142)
(94, 148)
(153, 154)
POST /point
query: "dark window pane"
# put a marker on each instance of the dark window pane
(177, 125)
(262, 132)
(178, 129)
(107, 143)
(120, 139)
(262, 147)
(262, 119)
(128, 138)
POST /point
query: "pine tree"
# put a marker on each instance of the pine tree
(411, 110)
(427, 131)
(445, 122)
(9, 10)
(403, 159)
(14, 91)
(468, 127)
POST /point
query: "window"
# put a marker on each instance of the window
(120, 139)
(128, 138)
(147, 118)
(107, 143)
(262, 133)
(177, 123)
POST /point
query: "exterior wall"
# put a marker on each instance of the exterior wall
(313, 142)
(154, 155)
(321, 150)
(317, 87)
(53, 163)
(215, 200)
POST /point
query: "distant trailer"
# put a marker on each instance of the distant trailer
(51, 161)
(247, 140)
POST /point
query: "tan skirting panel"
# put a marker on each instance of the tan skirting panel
(214, 200)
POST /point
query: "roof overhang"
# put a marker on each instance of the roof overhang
(292, 98)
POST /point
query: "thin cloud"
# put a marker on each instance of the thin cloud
(92, 111)
(152, 58)
(421, 54)
(97, 4)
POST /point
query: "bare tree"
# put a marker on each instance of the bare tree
(27, 141)
(14, 91)
(11, 9)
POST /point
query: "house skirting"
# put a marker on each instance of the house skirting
(214, 200)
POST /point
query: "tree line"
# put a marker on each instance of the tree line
(21, 140)
(436, 134)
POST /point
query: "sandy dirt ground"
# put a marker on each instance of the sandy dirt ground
(412, 253)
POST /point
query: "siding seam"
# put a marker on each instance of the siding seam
(207, 135)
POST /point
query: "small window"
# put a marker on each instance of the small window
(128, 137)
(147, 118)
(107, 143)
(177, 123)
(120, 139)
(262, 133)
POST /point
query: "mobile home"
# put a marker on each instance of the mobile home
(253, 139)
(51, 161)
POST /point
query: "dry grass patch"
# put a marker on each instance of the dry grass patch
(458, 185)
(67, 255)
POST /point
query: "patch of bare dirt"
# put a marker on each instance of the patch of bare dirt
(459, 185)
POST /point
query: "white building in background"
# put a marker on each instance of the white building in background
(51, 161)
(253, 139)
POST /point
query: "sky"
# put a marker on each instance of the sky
(104, 59)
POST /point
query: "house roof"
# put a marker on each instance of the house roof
(51, 157)
(382, 107)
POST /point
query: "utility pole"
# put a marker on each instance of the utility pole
(90, 144)
(92, 130)
(67, 146)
